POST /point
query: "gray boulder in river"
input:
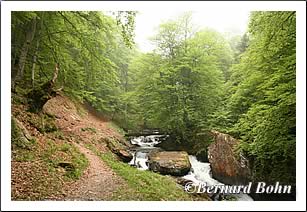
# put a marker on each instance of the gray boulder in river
(174, 163)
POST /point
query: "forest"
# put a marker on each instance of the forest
(193, 82)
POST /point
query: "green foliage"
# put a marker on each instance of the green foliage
(18, 100)
(50, 150)
(239, 45)
(91, 129)
(18, 138)
(44, 123)
(126, 21)
(115, 127)
(262, 96)
(91, 48)
(178, 88)
(15, 132)
(65, 147)
(194, 81)
(76, 161)
(79, 162)
(22, 147)
(58, 134)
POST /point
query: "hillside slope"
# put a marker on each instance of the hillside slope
(61, 154)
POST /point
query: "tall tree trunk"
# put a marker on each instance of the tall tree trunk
(126, 90)
(36, 50)
(24, 52)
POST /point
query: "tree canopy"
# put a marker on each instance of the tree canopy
(194, 81)
(262, 98)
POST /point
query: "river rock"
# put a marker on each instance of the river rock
(226, 166)
(119, 149)
(174, 163)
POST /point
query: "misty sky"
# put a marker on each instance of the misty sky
(226, 21)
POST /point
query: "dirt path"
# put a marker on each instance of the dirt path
(31, 175)
(97, 183)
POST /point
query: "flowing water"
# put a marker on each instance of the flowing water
(145, 146)
(140, 157)
(200, 172)
(147, 141)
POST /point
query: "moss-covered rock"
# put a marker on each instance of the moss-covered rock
(44, 123)
(21, 138)
(119, 149)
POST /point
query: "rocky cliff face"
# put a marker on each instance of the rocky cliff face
(225, 165)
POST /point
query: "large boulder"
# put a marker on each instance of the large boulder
(227, 166)
(174, 163)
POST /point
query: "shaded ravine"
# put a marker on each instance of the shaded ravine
(98, 181)
(200, 172)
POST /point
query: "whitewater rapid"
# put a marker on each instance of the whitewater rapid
(200, 171)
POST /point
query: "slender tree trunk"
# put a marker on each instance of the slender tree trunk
(36, 50)
(24, 52)
(55, 74)
(34, 63)
(126, 90)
